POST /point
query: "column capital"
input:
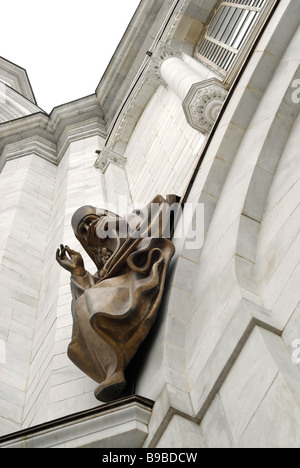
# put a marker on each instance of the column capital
(162, 52)
(203, 104)
(107, 157)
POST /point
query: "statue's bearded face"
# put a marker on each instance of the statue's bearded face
(100, 234)
(87, 231)
(84, 229)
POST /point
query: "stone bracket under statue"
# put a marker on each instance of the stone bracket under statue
(114, 309)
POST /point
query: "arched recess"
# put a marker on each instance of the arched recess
(258, 117)
(258, 193)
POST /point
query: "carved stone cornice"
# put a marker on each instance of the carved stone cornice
(203, 104)
(17, 79)
(139, 97)
(179, 12)
(29, 129)
(87, 129)
(119, 423)
(67, 123)
(107, 157)
(34, 145)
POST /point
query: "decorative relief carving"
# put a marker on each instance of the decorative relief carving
(114, 309)
(107, 157)
(203, 104)
(170, 30)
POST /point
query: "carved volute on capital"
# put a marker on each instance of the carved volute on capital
(114, 309)
(203, 104)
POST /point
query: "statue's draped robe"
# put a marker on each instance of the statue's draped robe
(114, 310)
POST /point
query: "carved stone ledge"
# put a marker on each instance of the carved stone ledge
(107, 157)
(36, 145)
(203, 104)
(123, 423)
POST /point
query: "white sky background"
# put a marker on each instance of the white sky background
(64, 45)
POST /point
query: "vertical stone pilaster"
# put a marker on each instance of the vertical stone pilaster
(26, 188)
(112, 165)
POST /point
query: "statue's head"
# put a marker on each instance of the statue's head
(97, 231)
(103, 233)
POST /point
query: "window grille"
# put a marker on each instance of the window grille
(232, 29)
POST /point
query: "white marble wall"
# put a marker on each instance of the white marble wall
(26, 187)
(220, 365)
(278, 253)
(163, 149)
(240, 382)
(79, 183)
(258, 405)
(38, 382)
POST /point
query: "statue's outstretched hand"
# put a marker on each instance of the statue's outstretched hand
(71, 261)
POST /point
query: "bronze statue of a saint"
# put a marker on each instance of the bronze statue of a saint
(114, 310)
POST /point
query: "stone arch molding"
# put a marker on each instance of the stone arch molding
(274, 113)
(262, 178)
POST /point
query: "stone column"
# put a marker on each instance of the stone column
(179, 76)
(202, 98)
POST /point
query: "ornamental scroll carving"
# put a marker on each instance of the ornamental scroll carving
(114, 309)
(203, 104)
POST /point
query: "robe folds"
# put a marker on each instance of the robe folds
(114, 310)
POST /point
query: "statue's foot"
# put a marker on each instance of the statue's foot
(111, 389)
